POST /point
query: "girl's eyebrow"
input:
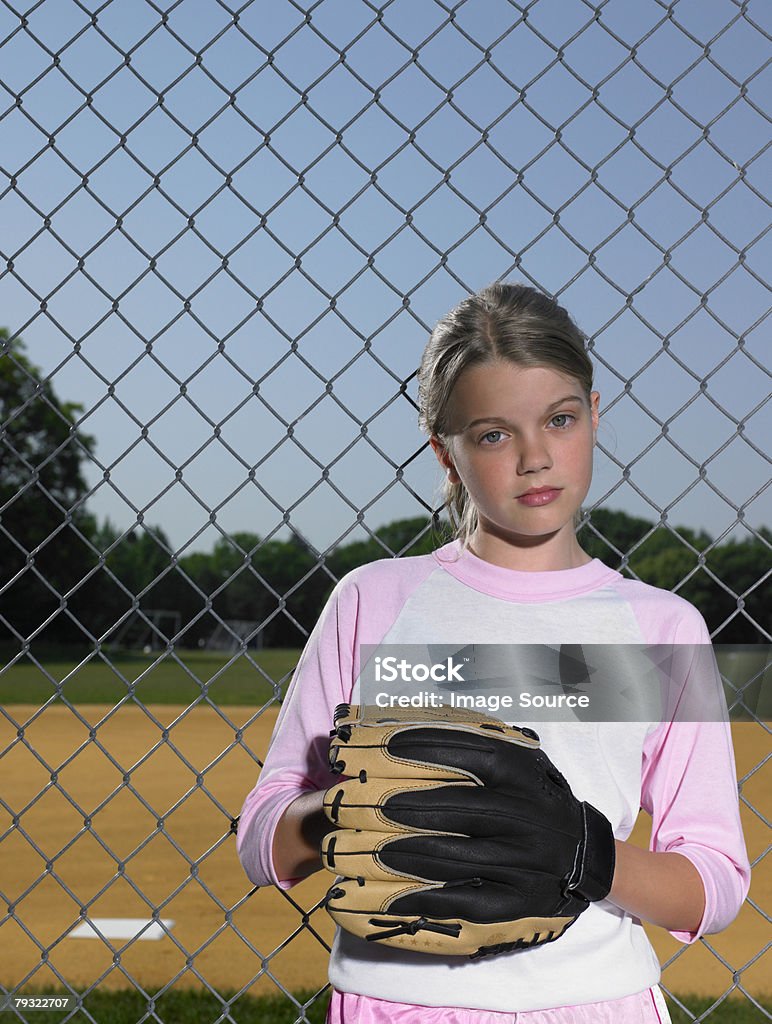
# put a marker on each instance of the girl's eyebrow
(501, 419)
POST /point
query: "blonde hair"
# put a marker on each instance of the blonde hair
(503, 321)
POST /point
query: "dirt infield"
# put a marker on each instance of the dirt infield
(78, 839)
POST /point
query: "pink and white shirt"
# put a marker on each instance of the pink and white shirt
(682, 773)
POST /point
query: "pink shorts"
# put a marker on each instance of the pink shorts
(646, 1007)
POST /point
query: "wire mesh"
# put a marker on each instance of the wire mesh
(228, 231)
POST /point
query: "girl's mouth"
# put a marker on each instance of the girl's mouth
(537, 498)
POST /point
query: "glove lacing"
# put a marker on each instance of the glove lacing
(411, 927)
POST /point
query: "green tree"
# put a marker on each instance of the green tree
(403, 537)
(671, 560)
(43, 522)
(612, 534)
(291, 571)
(743, 567)
(138, 576)
(277, 584)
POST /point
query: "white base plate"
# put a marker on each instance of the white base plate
(121, 928)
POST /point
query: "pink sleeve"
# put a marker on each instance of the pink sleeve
(297, 756)
(689, 786)
(359, 611)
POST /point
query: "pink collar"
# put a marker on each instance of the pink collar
(517, 584)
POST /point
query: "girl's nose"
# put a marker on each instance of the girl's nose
(534, 456)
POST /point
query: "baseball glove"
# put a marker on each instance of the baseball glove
(456, 834)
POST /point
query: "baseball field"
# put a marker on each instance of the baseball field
(117, 811)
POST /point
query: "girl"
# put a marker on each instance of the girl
(505, 393)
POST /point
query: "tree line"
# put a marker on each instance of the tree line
(66, 578)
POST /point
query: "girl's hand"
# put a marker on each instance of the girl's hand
(298, 836)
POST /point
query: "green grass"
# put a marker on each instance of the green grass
(157, 679)
(190, 1007)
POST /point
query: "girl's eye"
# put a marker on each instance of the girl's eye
(565, 416)
(495, 434)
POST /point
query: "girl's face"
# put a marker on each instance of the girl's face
(517, 430)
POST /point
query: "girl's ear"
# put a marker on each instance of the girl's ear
(594, 412)
(444, 458)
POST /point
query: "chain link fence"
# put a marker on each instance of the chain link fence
(226, 232)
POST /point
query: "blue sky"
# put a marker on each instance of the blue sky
(217, 223)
